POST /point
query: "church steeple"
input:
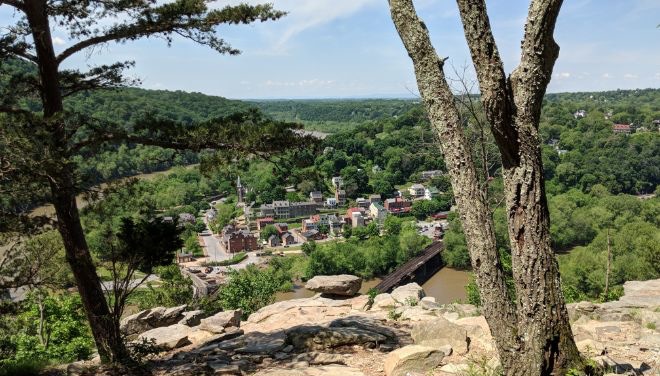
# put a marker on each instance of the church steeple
(240, 190)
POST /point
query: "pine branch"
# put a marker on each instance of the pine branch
(13, 3)
(188, 20)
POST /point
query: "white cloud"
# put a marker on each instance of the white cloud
(304, 15)
(630, 76)
(309, 14)
(606, 75)
(563, 75)
(59, 41)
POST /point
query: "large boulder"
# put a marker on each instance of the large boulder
(478, 331)
(409, 294)
(192, 318)
(439, 332)
(168, 337)
(413, 358)
(319, 338)
(151, 318)
(383, 301)
(344, 284)
(295, 312)
(221, 320)
(641, 293)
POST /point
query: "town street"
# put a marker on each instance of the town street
(214, 249)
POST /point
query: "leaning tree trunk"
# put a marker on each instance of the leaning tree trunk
(62, 184)
(534, 336)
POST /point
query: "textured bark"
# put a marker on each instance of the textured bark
(108, 340)
(534, 338)
(471, 201)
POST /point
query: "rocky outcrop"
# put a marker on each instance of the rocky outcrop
(409, 294)
(320, 336)
(168, 337)
(221, 320)
(151, 319)
(305, 338)
(384, 301)
(192, 318)
(344, 284)
(303, 369)
(641, 293)
(439, 332)
(413, 358)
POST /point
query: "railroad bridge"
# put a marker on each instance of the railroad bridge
(419, 269)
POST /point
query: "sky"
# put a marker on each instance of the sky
(350, 49)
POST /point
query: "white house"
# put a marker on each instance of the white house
(377, 212)
(357, 219)
(416, 190)
(431, 192)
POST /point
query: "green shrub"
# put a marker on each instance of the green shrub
(237, 258)
(22, 367)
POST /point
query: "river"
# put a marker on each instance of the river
(446, 286)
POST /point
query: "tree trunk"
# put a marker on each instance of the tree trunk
(62, 184)
(470, 199)
(535, 338)
(546, 340)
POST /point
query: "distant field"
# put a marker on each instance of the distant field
(334, 115)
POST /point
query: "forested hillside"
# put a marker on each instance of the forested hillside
(333, 115)
(124, 107)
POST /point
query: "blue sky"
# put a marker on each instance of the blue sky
(349, 48)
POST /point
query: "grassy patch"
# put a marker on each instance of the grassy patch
(25, 367)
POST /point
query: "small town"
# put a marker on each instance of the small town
(282, 227)
(329, 188)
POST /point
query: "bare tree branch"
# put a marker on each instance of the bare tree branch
(493, 85)
(539, 53)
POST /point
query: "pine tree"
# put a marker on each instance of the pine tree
(39, 136)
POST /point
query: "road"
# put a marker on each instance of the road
(214, 249)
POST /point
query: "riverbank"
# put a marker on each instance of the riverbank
(446, 286)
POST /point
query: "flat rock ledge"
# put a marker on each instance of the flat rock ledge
(319, 336)
(344, 284)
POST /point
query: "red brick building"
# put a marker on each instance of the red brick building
(263, 222)
(622, 128)
(235, 240)
(397, 205)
